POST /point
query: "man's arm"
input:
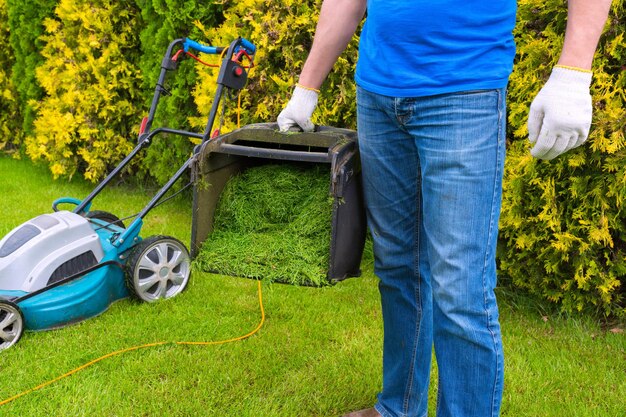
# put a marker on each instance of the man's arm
(585, 21)
(337, 23)
(560, 115)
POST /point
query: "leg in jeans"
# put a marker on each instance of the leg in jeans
(432, 169)
(391, 182)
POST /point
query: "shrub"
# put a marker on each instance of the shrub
(25, 18)
(10, 128)
(85, 122)
(563, 227)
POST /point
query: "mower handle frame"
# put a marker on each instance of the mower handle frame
(146, 136)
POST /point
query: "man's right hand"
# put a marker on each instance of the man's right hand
(299, 110)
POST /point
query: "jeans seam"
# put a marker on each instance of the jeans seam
(402, 119)
(417, 293)
(487, 254)
(381, 410)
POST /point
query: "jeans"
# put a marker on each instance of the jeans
(432, 177)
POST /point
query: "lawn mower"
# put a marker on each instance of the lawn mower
(66, 266)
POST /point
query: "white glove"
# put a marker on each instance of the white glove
(560, 115)
(299, 110)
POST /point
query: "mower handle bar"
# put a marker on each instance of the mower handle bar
(84, 205)
(145, 139)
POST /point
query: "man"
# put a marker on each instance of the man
(431, 80)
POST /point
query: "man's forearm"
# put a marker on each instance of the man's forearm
(585, 21)
(337, 23)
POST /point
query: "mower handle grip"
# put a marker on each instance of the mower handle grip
(188, 43)
(248, 46)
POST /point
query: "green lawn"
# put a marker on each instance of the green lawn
(318, 353)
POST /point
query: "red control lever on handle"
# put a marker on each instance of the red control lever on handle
(144, 122)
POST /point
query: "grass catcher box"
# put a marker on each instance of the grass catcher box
(328, 149)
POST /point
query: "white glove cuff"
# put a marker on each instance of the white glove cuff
(304, 98)
(571, 77)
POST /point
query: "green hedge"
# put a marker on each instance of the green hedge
(283, 33)
(10, 115)
(563, 226)
(54, 119)
(26, 27)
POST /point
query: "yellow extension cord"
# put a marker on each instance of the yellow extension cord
(148, 345)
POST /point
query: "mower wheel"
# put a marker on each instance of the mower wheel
(11, 324)
(158, 267)
(105, 216)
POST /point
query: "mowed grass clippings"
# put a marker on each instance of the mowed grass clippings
(273, 222)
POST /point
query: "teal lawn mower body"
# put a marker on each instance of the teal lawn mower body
(59, 301)
(67, 266)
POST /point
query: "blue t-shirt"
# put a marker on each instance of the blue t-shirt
(412, 48)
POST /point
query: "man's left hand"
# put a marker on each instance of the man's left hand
(560, 115)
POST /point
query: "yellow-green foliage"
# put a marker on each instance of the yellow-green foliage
(85, 121)
(283, 33)
(10, 126)
(563, 224)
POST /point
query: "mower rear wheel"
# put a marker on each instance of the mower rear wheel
(105, 216)
(158, 267)
(11, 324)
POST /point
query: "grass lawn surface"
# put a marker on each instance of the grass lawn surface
(318, 353)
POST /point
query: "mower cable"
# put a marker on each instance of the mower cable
(155, 206)
(173, 195)
(201, 61)
(147, 345)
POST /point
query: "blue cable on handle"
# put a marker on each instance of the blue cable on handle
(188, 43)
(191, 44)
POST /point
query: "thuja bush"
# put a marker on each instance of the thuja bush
(164, 21)
(85, 122)
(10, 127)
(563, 224)
(283, 33)
(25, 18)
